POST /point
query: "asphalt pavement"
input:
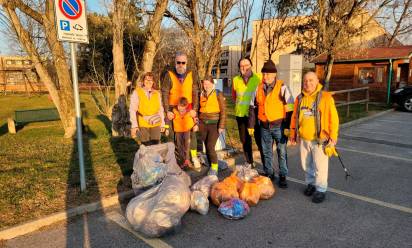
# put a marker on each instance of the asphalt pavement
(372, 209)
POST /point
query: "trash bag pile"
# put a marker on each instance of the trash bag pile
(234, 209)
(245, 184)
(200, 193)
(159, 209)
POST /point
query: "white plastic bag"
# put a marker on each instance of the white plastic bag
(246, 174)
(160, 209)
(205, 184)
(199, 202)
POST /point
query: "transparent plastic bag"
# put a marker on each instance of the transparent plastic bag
(234, 209)
(205, 184)
(245, 174)
(159, 210)
(199, 202)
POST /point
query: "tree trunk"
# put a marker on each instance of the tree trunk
(328, 71)
(120, 75)
(62, 100)
(153, 36)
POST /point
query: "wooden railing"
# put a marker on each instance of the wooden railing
(348, 101)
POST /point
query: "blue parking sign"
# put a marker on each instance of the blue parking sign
(64, 25)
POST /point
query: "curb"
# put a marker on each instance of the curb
(357, 121)
(22, 229)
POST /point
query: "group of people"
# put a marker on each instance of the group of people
(264, 108)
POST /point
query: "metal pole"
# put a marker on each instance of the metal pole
(78, 116)
(388, 96)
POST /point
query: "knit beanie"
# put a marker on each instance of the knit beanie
(269, 67)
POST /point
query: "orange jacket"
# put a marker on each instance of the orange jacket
(182, 123)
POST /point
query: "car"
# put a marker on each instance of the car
(403, 97)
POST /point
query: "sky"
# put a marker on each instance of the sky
(97, 6)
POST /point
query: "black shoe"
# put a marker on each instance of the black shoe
(272, 177)
(310, 189)
(318, 197)
(282, 182)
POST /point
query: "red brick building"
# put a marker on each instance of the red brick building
(373, 67)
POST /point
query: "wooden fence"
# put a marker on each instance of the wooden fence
(348, 101)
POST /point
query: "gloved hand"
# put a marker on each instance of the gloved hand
(286, 132)
(330, 150)
(251, 131)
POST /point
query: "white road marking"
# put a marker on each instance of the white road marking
(376, 154)
(362, 198)
(121, 221)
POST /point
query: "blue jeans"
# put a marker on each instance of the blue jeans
(274, 134)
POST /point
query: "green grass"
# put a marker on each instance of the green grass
(357, 111)
(39, 172)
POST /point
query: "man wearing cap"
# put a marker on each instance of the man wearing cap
(274, 102)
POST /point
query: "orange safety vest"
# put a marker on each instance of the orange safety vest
(209, 104)
(147, 106)
(179, 89)
(182, 123)
(270, 107)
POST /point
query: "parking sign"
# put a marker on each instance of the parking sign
(71, 20)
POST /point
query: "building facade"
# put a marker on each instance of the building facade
(17, 74)
(381, 69)
(228, 66)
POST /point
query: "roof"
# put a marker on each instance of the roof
(362, 54)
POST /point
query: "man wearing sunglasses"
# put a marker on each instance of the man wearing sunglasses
(178, 83)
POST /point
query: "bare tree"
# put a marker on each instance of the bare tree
(60, 90)
(119, 17)
(245, 12)
(397, 18)
(206, 23)
(153, 36)
(335, 26)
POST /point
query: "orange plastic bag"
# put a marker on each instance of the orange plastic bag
(235, 180)
(221, 192)
(250, 194)
(265, 186)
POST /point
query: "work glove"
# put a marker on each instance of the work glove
(251, 131)
(330, 150)
(286, 132)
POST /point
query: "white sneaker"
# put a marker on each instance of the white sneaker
(196, 162)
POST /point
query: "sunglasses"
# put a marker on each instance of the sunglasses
(180, 62)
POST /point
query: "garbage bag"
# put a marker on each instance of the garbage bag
(159, 210)
(250, 194)
(222, 191)
(265, 187)
(152, 163)
(199, 202)
(234, 209)
(205, 184)
(235, 180)
(246, 174)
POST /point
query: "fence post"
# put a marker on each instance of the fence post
(348, 105)
(367, 100)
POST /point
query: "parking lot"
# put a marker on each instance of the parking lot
(372, 209)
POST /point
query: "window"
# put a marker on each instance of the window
(9, 62)
(225, 54)
(27, 62)
(224, 62)
(370, 75)
(19, 62)
(223, 71)
(214, 72)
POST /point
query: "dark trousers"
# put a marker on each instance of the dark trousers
(242, 123)
(172, 138)
(182, 142)
(209, 134)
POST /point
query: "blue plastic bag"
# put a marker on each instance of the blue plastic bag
(234, 209)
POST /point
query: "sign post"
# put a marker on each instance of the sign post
(71, 26)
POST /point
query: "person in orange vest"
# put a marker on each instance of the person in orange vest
(212, 117)
(183, 125)
(275, 105)
(146, 112)
(177, 83)
(315, 125)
